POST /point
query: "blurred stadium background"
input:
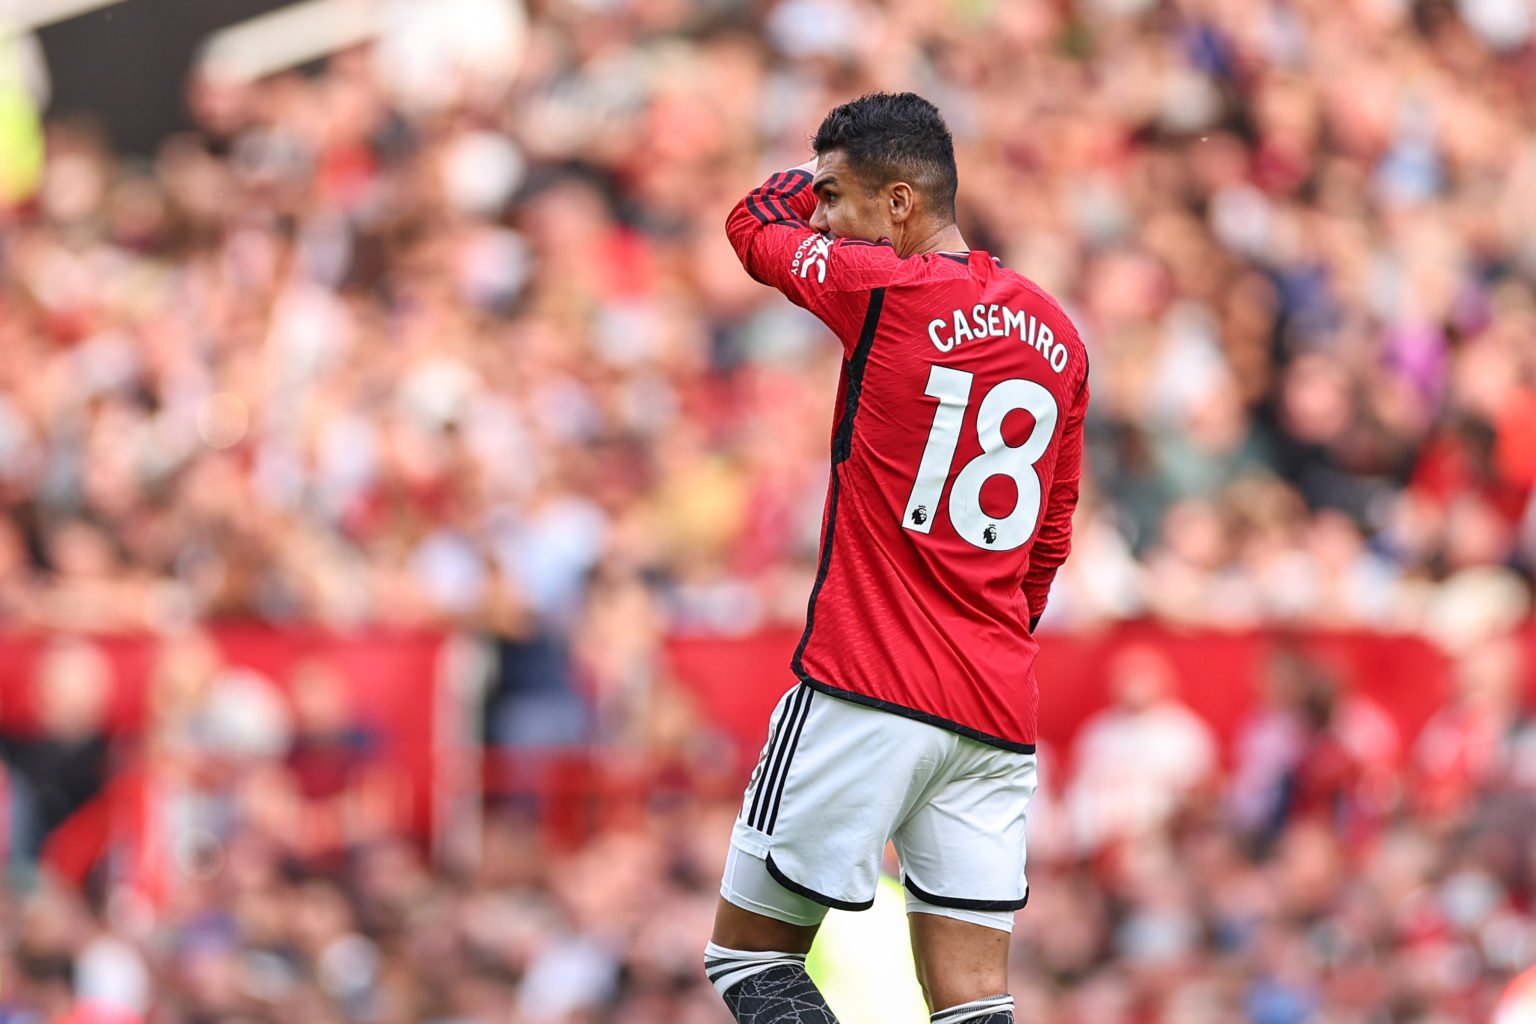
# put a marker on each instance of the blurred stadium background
(410, 506)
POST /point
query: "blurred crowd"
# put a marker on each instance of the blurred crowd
(450, 332)
(1317, 866)
(447, 332)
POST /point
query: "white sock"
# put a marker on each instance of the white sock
(979, 1009)
(728, 968)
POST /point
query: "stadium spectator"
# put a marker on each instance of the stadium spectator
(1313, 748)
(385, 343)
(58, 769)
(1138, 760)
(1485, 737)
(372, 347)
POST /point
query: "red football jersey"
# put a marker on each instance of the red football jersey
(956, 448)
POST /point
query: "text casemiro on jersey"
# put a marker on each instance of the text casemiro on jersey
(983, 321)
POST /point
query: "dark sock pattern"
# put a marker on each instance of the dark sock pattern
(783, 994)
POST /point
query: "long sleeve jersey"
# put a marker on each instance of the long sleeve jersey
(956, 449)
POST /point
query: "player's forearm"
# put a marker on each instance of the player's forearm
(1054, 541)
(1051, 547)
(1037, 585)
(1046, 557)
(784, 199)
(770, 225)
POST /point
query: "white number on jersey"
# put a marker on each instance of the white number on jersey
(952, 388)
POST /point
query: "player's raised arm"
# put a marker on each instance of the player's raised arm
(1054, 540)
(771, 214)
(828, 234)
(777, 242)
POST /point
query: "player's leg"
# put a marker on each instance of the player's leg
(962, 854)
(744, 929)
(756, 954)
(833, 781)
(757, 962)
(963, 969)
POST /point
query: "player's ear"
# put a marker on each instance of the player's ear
(899, 199)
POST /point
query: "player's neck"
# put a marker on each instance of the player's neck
(946, 238)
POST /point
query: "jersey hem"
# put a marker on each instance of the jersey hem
(955, 903)
(811, 894)
(921, 716)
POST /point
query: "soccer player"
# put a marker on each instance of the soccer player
(956, 447)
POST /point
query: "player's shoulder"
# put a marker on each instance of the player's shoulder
(1068, 353)
(1040, 298)
(844, 264)
(1043, 300)
(918, 271)
(860, 251)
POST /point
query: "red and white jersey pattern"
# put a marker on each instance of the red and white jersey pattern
(956, 452)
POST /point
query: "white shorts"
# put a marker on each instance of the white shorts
(837, 780)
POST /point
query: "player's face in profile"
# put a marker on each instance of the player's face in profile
(846, 206)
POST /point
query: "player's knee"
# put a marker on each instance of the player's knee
(747, 880)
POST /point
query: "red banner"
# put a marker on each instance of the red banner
(1219, 674)
(390, 678)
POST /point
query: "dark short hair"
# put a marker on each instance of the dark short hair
(894, 136)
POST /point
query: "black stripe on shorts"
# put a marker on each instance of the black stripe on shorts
(794, 741)
(764, 771)
(766, 802)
